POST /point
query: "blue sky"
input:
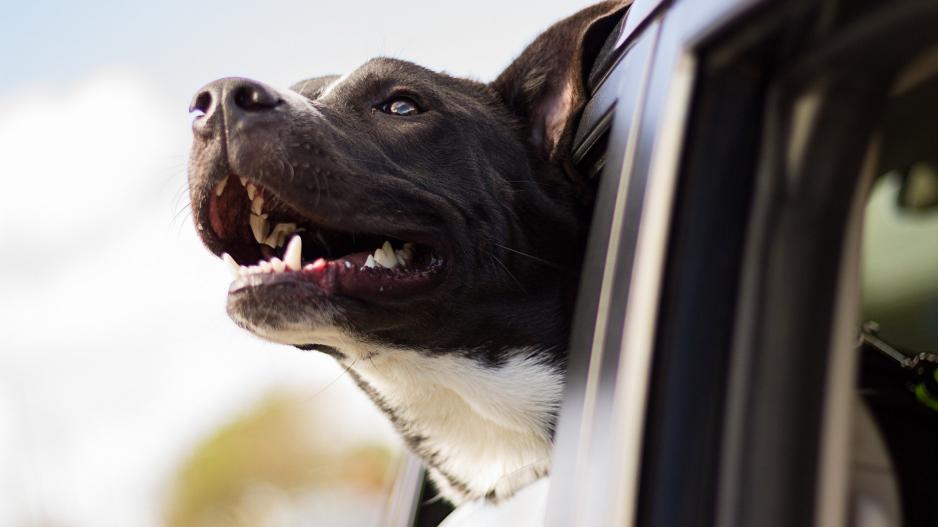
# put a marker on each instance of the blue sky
(179, 45)
(117, 355)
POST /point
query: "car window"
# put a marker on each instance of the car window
(899, 336)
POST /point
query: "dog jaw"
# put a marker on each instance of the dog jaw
(483, 428)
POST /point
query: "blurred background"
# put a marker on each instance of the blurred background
(127, 398)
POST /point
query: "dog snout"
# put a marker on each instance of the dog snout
(233, 102)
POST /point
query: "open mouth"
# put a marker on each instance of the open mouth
(266, 241)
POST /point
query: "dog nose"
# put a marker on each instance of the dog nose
(235, 98)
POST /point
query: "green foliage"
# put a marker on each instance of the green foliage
(277, 452)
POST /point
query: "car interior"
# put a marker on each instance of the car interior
(895, 471)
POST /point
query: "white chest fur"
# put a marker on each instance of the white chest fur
(485, 428)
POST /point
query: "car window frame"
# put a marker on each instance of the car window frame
(659, 132)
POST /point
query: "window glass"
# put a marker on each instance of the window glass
(899, 344)
(901, 258)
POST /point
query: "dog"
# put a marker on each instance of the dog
(425, 230)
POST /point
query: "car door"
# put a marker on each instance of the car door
(713, 370)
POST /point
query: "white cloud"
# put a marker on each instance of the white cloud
(70, 160)
(116, 353)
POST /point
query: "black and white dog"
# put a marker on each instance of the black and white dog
(424, 230)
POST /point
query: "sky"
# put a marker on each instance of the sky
(116, 355)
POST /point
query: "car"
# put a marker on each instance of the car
(756, 335)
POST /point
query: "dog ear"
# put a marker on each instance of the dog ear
(546, 85)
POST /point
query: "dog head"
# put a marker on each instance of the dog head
(399, 208)
(474, 179)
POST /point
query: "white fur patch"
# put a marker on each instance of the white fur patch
(487, 427)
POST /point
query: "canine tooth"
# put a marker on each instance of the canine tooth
(278, 265)
(243, 180)
(370, 262)
(387, 247)
(252, 191)
(232, 265)
(294, 255)
(259, 227)
(220, 186)
(257, 204)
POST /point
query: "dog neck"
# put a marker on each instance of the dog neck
(483, 429)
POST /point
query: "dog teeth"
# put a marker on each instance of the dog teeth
(278, 265)
(220, 186)
(385, 257)
(273, 240)
(293, 257)
(278, 236)
(259, 226)
(252, 191)
(275, 265)
(232, 265)
(243, 180)
(257, 205)
(286, 228)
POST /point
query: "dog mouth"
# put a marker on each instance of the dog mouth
(267, 242)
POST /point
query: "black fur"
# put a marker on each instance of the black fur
(483, 175)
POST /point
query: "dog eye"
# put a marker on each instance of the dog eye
(401, 106)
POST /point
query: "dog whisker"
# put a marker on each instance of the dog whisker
(181, 214)
(344, 372)
(502, 265)
(531, 256)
